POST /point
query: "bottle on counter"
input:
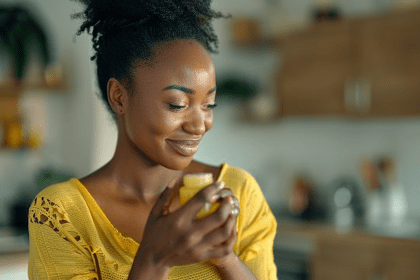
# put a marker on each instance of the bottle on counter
(302, 199)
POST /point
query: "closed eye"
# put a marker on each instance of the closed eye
(175, 107)
(211, 106)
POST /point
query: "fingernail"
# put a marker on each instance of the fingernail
(235, 211)
(207, 206)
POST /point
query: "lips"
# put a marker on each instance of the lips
(184, 147)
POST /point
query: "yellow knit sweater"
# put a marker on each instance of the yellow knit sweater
(71, 238)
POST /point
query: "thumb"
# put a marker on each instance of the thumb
(162, 203)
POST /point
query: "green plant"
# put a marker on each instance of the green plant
(18, 29)
(237, 88)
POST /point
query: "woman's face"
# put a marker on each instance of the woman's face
(170, 109)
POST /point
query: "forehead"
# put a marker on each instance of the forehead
(177, 61)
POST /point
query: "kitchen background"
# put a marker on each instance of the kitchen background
(77, 135)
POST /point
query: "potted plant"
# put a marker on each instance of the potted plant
(21, 36)
(19, 30)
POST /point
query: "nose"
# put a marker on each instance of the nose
(198, 122)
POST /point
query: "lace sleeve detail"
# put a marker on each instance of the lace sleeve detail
(45, 212)
(57, 250)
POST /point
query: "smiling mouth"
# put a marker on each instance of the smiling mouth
(184, 147)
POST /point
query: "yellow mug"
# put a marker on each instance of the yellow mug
(192, 184)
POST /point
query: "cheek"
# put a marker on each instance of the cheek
(209, 121)
(143, 122)
(168, 122)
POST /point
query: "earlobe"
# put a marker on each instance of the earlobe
(116, 96)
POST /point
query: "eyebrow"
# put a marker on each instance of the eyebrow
(185, 89)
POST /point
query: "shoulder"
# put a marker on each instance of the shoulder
(60, 206)
(63, 197)
(236, 174)
(60, 191)
(240, 181)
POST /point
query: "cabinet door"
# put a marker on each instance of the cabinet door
(345, 259)
(390, 62)
(316, 66)
(400, 260)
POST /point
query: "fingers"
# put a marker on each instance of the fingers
(174, 185)
(161, 204)
(219, 242)
(226, 194)
(206, 195)
(223, 234)
(187, 238)
(229, 207)
(223, 249)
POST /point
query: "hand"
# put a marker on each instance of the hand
(180, 238)
(227, 259)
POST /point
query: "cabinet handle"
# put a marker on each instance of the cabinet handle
(349, 95)
(363, 96)
(357, 95)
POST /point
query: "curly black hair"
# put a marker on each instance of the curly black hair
(125, 32)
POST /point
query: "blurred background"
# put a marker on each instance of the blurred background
(318, 100)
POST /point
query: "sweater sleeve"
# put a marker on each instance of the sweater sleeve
(56, 249)
(256, 231)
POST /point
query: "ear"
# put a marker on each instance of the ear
(117, 96)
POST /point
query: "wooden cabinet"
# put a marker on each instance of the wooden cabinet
(315, 68)
(364, 67)
(389, 57)
(337, 258)
(400, 260)
(357, 257)
(357, 254)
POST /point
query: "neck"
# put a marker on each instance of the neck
(137, 177)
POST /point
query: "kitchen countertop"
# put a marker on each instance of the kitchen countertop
(13, 241)
(311, 230)
(301, 237)
(14, 266)
(407, 228)
(14, 259)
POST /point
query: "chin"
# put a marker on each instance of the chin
(178, 164)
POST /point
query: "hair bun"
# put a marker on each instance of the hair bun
(125, 32)
(139, 9)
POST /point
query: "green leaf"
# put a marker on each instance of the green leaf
(18, 29)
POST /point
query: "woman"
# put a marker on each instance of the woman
(124, 221)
